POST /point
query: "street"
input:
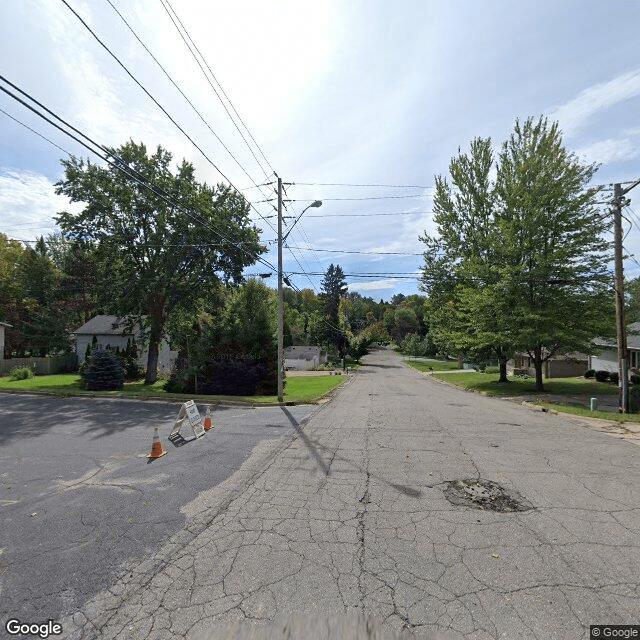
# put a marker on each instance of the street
(383, 503)
(79, 501)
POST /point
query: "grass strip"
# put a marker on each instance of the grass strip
(488, 383)
(299, 389)
(428, 364)
(580, 410)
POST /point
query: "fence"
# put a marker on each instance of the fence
(42, 366)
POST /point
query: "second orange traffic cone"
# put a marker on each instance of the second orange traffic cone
(156, 448)
(207, 419)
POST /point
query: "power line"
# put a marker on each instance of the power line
(371, 253)
(212, 87)
(186, 98)
(34, 131)
(366, 215)
(347, 184)
(119, 165)
(413, 195)
(104, 46)
(399, 275)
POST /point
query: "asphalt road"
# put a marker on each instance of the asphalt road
(79, 502)
(359, 513)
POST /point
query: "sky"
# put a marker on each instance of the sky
(333, 93)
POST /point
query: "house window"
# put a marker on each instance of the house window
(633, 359)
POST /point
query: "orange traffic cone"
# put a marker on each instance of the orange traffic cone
(207, 419)
(156, 448)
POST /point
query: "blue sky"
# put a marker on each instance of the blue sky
(333, 92)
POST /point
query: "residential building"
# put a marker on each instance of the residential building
(607, 358)
(304, 358)
(111, 332)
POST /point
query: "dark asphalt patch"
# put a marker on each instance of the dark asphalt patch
(486, 495)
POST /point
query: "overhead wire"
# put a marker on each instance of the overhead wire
(159, 64)
(366, 215)
(370, 253)
(121, 64)
(413, 195)
(119, 166)
(347, 184)
(213, 88)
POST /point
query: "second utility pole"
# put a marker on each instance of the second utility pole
(280, 299)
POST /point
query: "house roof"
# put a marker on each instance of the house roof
(633, 338)
(105, 326)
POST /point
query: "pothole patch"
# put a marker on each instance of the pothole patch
(486, 495)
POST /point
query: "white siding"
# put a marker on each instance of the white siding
(166, 358)
(606, 361)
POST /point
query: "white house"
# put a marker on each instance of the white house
(304, 358)
(607, 359)
(110, 332)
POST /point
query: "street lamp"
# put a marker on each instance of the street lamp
(316, 203)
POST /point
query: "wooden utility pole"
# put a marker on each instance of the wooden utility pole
(621, 327)
(280, 300)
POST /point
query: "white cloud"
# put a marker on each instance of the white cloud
(28, 203)
(611, 150)
(574, 114)
(373, 285)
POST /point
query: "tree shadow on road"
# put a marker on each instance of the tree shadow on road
(314, 446)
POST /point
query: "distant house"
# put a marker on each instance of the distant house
(111, 332)
(3, 325)
(607, 359)
(566, 365)
(304, 358)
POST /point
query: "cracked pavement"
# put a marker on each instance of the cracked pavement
(347, 516)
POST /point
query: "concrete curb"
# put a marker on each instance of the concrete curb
(172, 400)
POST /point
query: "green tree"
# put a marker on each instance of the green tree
(334, 287)
(554, 254)
(632, 294)
(462, 262)
(159, 255)
(519, 262)
(234, 351)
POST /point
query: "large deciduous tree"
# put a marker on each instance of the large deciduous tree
(163, 235)
(555, 257)
(519, 261)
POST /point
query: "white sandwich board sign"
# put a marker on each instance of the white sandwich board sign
(188, 414)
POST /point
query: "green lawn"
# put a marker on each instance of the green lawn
(431, 364)
(298, 389)
(580, 410)
(488, 382)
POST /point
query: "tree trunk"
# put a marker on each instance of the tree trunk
(152, 359)
(537, 363)
(502, 361)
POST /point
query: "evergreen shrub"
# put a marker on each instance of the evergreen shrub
(104, 372)
(602, 376)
